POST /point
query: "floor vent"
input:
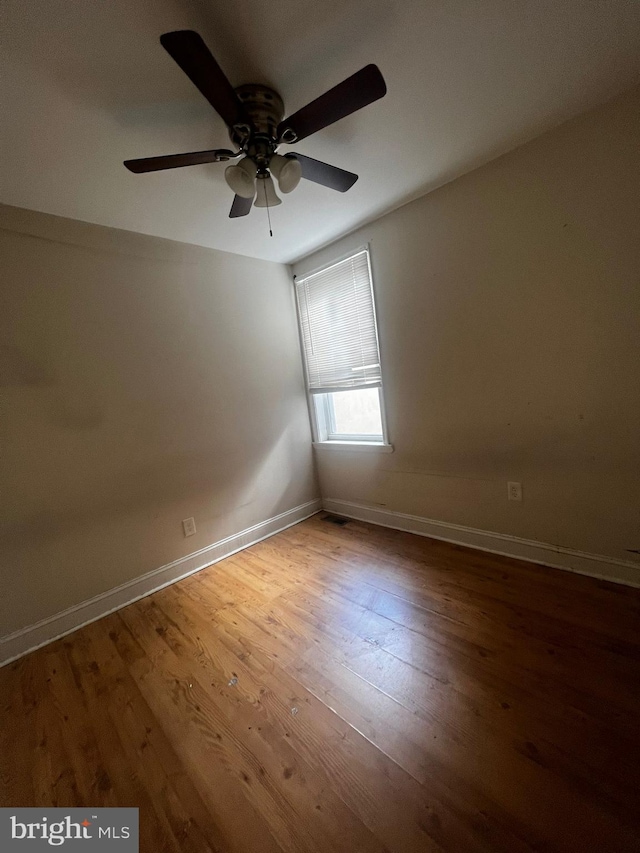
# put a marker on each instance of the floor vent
(336, 519)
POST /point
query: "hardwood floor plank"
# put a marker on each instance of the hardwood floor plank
(418, 562)
(410, 637)
(516, 774)
(403, 736)
(16, 735)
(183, 707)
(281, 786)
(123, 784)
(337, 689)
(323, 741)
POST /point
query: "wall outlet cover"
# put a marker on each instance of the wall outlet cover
(514, 491)
(189, 526)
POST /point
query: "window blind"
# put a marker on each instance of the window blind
(338, 326)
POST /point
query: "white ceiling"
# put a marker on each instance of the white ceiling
(87, 85)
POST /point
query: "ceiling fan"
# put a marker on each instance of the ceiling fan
(254, 115)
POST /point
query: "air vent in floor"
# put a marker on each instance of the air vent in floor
(336, 519)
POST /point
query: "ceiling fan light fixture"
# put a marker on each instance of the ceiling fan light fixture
(287, 170)
(266, 192)
(242, 178)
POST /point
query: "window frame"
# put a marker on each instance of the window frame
(319, 404)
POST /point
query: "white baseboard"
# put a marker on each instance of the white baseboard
(28, 639)
(595, 565)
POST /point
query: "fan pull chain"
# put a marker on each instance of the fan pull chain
(266, 199)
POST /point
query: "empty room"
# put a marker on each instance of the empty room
(320, 426)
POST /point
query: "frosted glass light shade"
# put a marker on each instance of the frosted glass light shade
(266, 193)
(287, 170)
(242, 178)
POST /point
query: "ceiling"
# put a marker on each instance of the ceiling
(87, 85)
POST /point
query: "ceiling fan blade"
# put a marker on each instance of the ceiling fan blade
(174, 161)
(362, 88)
(323, 173)
(240, 207)
(192, 55)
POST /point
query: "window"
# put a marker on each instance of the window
(341, 355)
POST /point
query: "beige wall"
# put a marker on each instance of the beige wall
(509, 314)
(143, 381)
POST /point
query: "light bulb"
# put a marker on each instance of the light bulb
(242, 178)
(266, 192)
(287, 170)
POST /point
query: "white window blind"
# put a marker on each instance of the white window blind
(338, 326)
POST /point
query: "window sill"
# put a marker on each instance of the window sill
(375, 446)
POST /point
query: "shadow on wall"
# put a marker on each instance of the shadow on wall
(17, 369)
(71, 409)
(211, 479)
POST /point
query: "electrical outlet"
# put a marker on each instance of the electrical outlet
(189, 526)
(514, 491)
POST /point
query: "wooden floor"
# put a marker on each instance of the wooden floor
(345, 689)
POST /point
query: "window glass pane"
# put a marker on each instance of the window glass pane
(357, 412)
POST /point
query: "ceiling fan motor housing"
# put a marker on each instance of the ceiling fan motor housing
(265, 109)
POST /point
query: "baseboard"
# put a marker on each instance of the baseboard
(28, 639)
(595, 565)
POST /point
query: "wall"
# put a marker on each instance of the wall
(143, 381)
(509, 308)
